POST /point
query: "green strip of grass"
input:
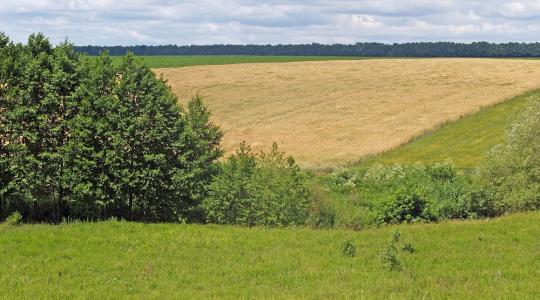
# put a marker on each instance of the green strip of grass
(176, 61)
(465, 141)
(111, 260)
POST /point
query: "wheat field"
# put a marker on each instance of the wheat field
(328, 113)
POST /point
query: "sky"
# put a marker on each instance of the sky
(189, 22)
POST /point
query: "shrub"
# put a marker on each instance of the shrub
(390, 258)
(442, 171)
(512, 170)
(404, 206)
(480, 203)
(408, 247)
(348, 248)
(384, 175)
(322, 213)
(262, 189)
(416, 192)
(15, 219)
(344, 180)
(446, 198)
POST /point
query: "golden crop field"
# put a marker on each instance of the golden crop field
(327, 113)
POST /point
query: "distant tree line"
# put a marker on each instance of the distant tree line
(420, 49)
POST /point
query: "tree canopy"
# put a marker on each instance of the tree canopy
(82, 138)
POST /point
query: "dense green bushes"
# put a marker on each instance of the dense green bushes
(412, 193)
(259, 189)
(395, 194)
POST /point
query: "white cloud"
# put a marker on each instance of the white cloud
(110, 22)
(363, 21)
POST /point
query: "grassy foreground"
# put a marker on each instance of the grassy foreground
(498, 258)
(466, 141)
(175, 61)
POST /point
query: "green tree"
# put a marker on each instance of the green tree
(134, 152)
(202, 140)
(512, 170)
(231, 198)
(146, 143)
(90, 150)
(38, 86)
(5, 175)
(160, 149)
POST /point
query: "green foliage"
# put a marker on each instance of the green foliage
(404, 206)
(390, 258)
(360, 49)
(481, 203)
(512, 170)
(407, 193)
(5, 174)
(37, 96)
(344, 180)
(15, 219)
(202, 141)
(259, 189)
(94, 131)
(84, 138)
(348, 248)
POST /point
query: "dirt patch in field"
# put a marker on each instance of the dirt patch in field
(327, 113)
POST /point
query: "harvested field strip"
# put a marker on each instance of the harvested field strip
(465, 142)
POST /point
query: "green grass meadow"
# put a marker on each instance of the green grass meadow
(486, 259)
(176, 61)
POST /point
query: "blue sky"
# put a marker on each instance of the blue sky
(122, 22)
